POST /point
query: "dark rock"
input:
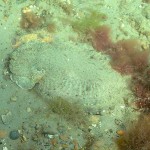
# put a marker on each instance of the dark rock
(14, 135)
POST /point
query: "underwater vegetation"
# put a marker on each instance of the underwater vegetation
(140, 85)
(137, 136)
(72, 112)
(101, 38)
(20, 1)
(146, 1)
(66, 6)
(30, 20)
(88, 22)
(127, 58)
(51, 27)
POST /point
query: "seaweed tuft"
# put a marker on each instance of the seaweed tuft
(89, 22)
(137, 136)
(72, 112)
(101, 38)
(127, 58)
(30, 20)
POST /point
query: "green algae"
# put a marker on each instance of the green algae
(89, 22)
(72, 112)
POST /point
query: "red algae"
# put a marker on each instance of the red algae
(101, 38)
(127, 58)
(140, 86)
(126, 55)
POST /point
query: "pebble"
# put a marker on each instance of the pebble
(94, 119)
(64, 137)
(13, 98)
(2, 133)
(5, 148)
(14, 135)
(23, 138)
(29, 109)
(6, 118)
